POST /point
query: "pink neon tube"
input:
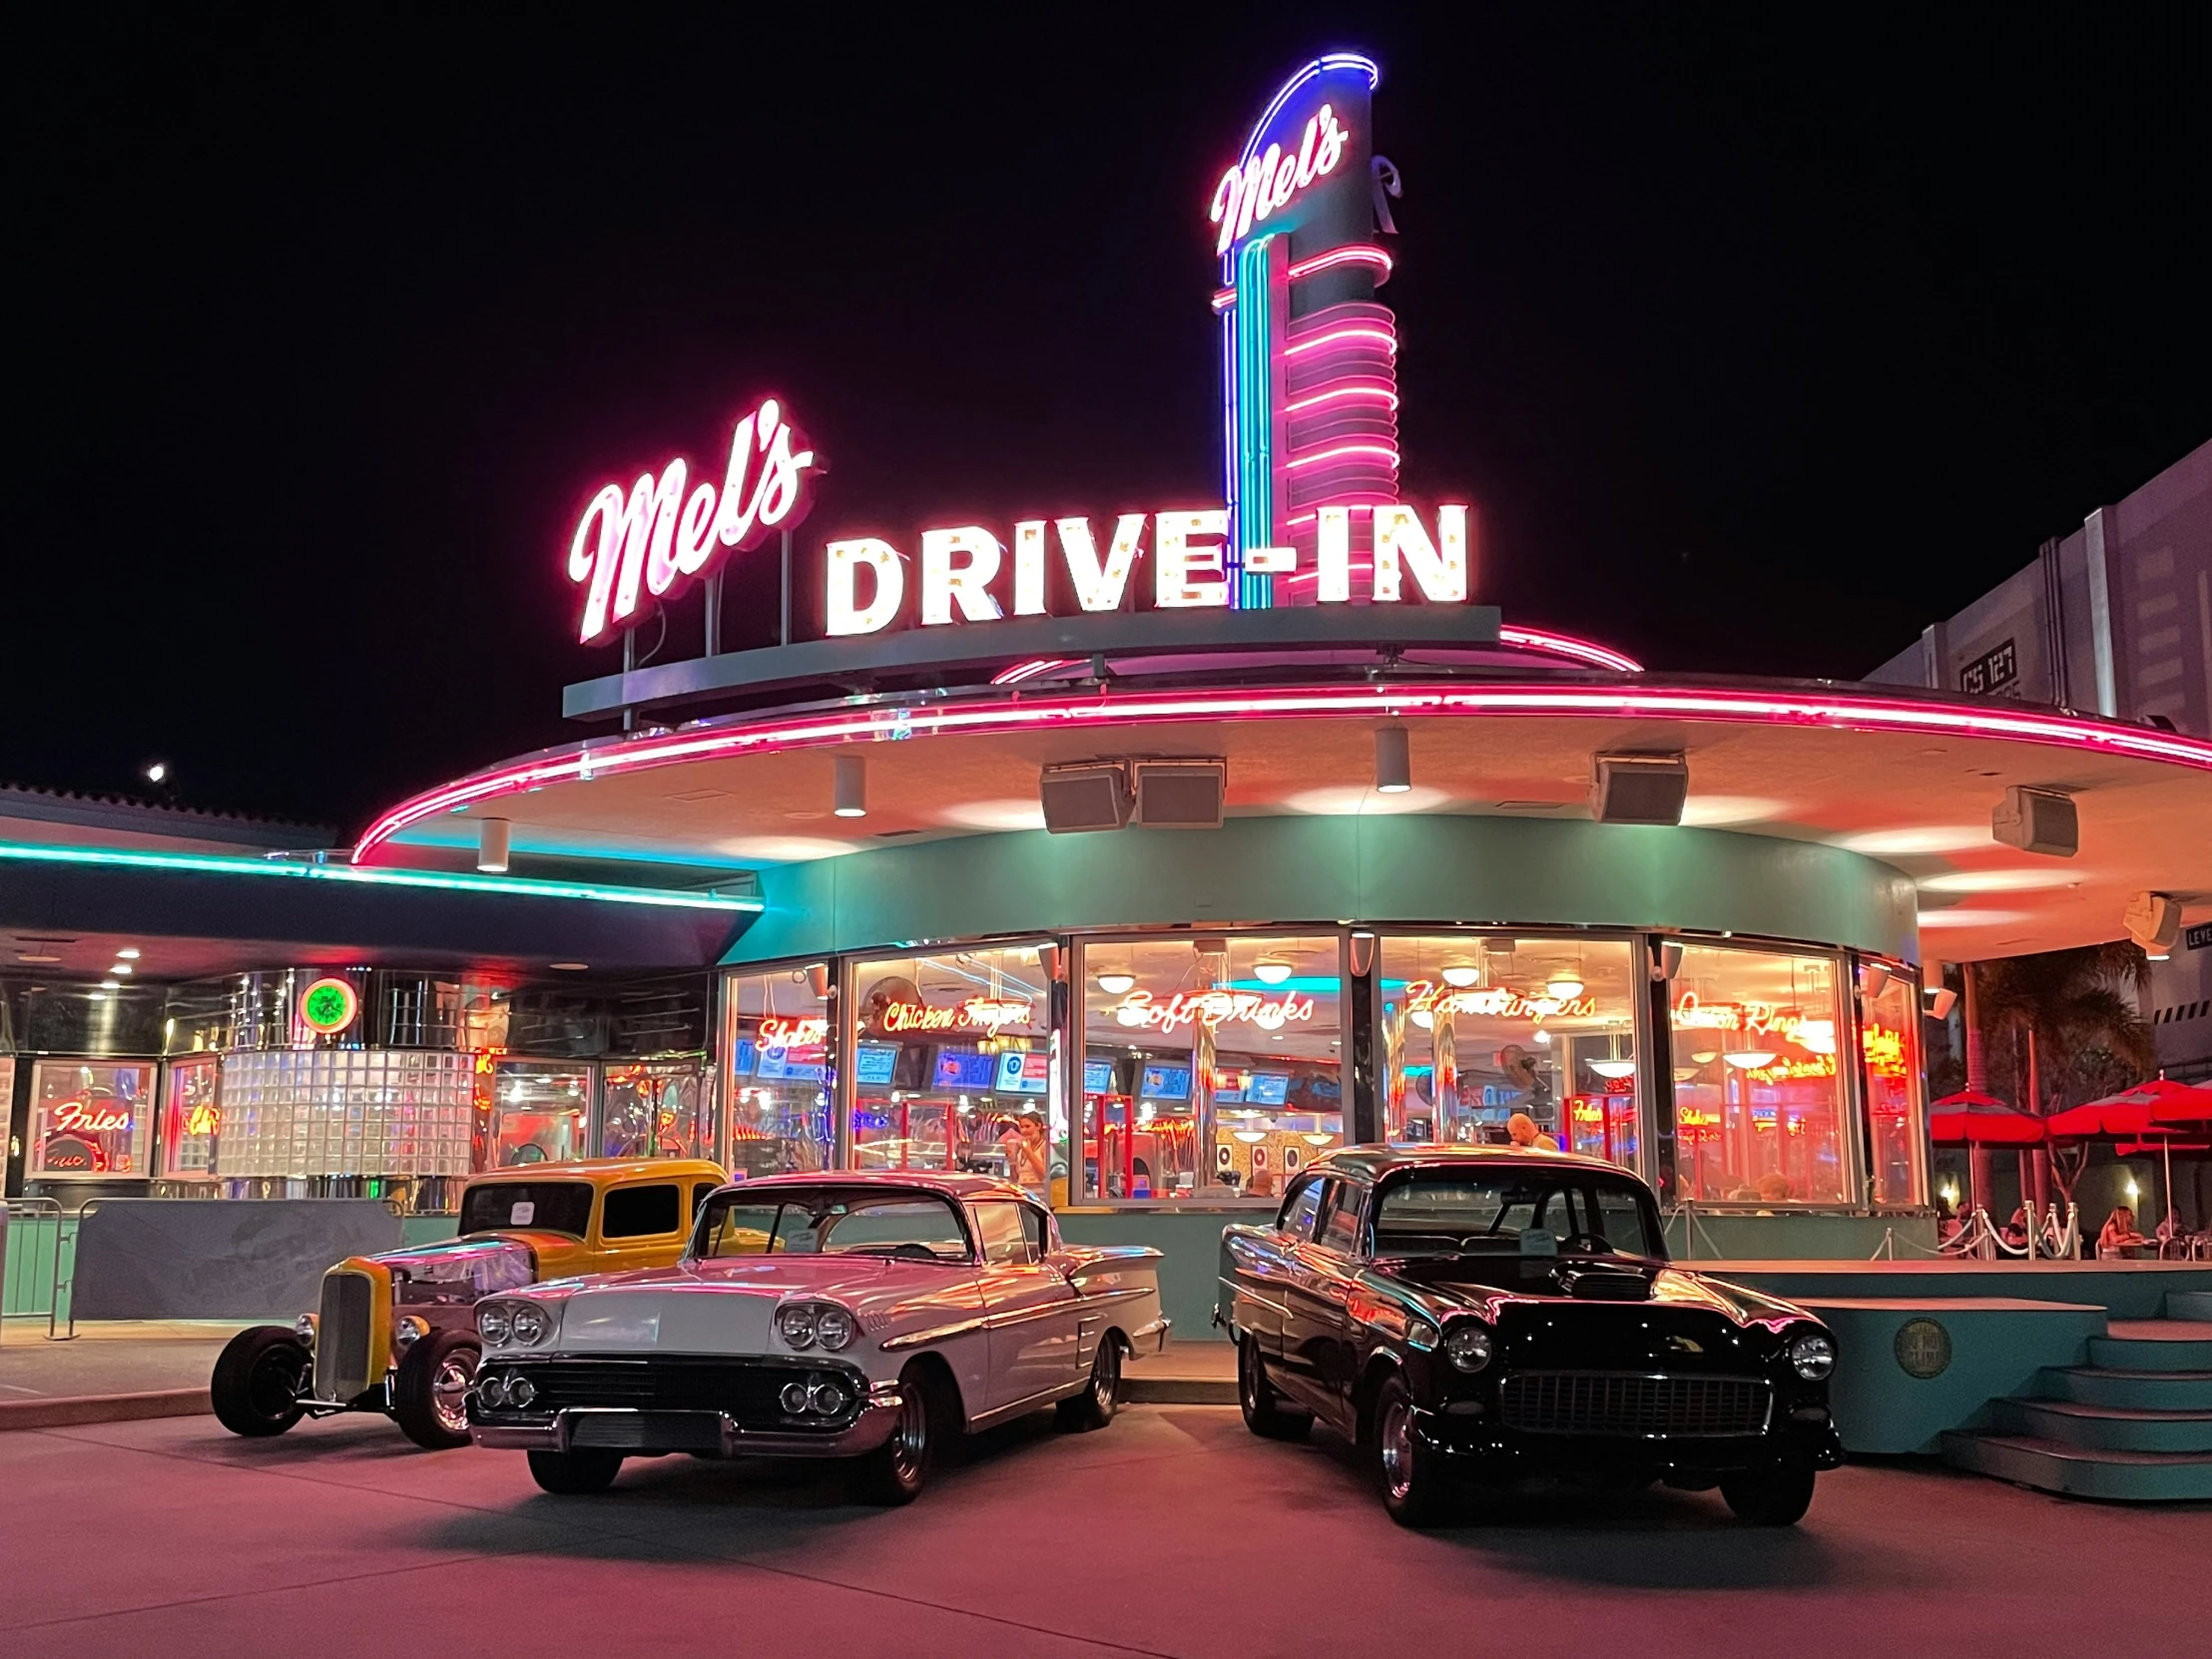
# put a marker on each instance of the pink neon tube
(1568, 645)
(1836, 712)
(1342, 452)
(1380, 337)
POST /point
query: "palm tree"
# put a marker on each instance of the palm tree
(2061, 1027)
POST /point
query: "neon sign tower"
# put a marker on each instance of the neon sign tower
(1309, 358)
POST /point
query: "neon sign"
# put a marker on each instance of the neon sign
(1251, 191)
(84, 1117)
(805, 1033)
(1212, 1010)
(1883, 1049)
(989, 1013)
(1757, 1019)
(328, 1005)
(635, 546)
(961, 566)
(1425, 996)
(1792, 1071)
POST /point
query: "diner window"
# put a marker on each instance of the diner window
(1499, 1037)
(659, 1109)
(953, 1065)
(1211, 1066)
(776, 1037)
(1889, 1042)
(190, 1117)
(1758, 1092)
(534, 1111)
(89, 1121)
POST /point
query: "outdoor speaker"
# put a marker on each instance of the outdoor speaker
(2154, 922)
(1091, 795)
(1181, 795)
(1940, 1000)
(1666, 960)
(1638, 788)
(2038, 820)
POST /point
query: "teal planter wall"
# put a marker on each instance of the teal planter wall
(1411, 869)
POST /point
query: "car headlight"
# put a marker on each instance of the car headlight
(1468, 1346)
(794, 1321)
(494, 1323)
(405, 1333)
(531, 1323)
(304, 1329)
(834, 1327)
(1813, 1355)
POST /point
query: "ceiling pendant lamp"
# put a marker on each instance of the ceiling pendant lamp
(1462, 974)
(850, 795)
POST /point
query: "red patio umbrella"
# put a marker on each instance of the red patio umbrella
(2100, 1120)
(2150, 1114)
(1972, 1118)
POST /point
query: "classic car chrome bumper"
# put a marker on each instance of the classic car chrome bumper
(648, 1433)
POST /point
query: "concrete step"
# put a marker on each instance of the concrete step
(2130, 1388)
(2154, 1344)
(2189, 1304)
(2054, 1467)
(2102, 1427)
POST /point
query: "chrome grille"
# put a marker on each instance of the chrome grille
(341, 1358)
(1648, 1408)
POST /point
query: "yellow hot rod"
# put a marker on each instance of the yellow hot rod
(397, 1332)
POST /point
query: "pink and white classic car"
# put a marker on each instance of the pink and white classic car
(861, 1316)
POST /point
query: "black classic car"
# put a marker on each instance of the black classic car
(1477, 1315)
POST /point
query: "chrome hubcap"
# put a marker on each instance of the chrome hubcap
(450, 1394)
(910, 1441)
(1106, 1379)
(1247, 1370)
(1396, 1436)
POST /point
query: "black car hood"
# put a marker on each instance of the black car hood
(1486, 1285)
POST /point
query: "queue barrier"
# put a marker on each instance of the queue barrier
(35, 1237)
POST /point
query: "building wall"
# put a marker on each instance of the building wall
(2114, 619)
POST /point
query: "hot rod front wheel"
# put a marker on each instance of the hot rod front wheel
(429, 1396)
(258, 1379)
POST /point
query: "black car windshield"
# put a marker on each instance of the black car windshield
(913, 1227)
(1517, 1211)
(539, 1206)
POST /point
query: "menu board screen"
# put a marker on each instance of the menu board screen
(1098, 1077)
(1166, 1083)
(964, 1068)
(1024, 1071)
(876, 1062)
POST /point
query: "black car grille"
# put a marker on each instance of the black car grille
(1647, 1407)
(747, 1391)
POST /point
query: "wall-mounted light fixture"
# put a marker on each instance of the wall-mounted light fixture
(495, 839)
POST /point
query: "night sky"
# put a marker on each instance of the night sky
(1758, 343)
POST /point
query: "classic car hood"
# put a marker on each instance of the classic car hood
(458, 1271)
(1484, 1284)
(728, 1306)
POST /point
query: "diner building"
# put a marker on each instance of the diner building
(1143, 856)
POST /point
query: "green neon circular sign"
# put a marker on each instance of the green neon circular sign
(328, 1005)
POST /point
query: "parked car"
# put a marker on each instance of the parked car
(861, 1316)
(1477, 1314)
(396, 1332)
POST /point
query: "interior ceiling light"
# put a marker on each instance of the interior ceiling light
(1460, 975)
(38, 957)
(1564, 986)
(129, 954)
(1543, 1036)
(1117, 984)
(1816, 1035)
(111, 984)
(1425, 1019)
(1998, 880)
(1614, 1068)
(1745, 1059)
(1682, 1074)
(1705, 1056)
(1249, 1136)
(1271, 970)
(568, 967)
(123, 967)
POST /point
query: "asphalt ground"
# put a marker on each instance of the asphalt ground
(1172, 1531)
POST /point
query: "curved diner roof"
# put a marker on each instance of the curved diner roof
(1910, 780)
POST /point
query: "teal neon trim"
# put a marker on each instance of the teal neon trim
(212, 863)
(1255, 422)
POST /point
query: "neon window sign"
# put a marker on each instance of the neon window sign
(88, 1117)
(1141, 1011)
(777, 1032)
(633, 547)
(977, 1013)
(1425, 996)
(329, 1006)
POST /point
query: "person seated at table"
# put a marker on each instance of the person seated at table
(1521, 1130)
(2119, 1236)
(2015, 1230)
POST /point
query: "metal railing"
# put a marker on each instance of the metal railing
(33, 1239)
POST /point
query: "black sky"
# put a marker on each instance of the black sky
(1761, 336)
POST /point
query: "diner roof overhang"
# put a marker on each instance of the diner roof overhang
(69, 910)
(1910, 780)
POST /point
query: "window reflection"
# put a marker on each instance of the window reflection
(1758, 1089)
(779, 1080)
(952, 1066)
(1504, 1037)
(1211, 1066)
(1889, 1040)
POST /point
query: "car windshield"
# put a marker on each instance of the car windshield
(1517, 1212)
(909, 1226)
(540, 1206)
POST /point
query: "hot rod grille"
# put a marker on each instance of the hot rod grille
(1648, 1408)
(342, 1338)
